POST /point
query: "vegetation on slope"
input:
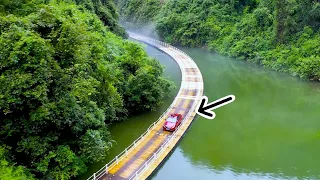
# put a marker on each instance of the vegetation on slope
(279, 34)
(64, 76)
(138, 12)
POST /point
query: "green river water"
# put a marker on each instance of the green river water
(271, 130)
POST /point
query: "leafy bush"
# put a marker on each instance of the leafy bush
(10, 172)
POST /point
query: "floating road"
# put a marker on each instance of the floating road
(144, 155)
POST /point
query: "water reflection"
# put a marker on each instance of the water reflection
(271, 131)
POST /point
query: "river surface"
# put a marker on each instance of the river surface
(271, 130)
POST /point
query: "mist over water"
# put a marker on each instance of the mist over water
(148, 29)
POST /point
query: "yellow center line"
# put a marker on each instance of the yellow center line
(144, 157)
(190, 93)
(186, 104)
(132, 153)
(149, 151)
(158, 127)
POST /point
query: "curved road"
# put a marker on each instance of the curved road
(144, 155)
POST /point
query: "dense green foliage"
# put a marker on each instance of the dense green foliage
(280, 34)
(104, 9)
(64, 76)
(10, 172)
(138, 12)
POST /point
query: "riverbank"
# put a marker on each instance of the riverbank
(65, 75)
(282, 38)
(141, 158)
(125, 132)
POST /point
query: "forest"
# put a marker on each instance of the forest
(282, 35)
(68, 71)
(66, 74)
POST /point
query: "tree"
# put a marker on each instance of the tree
(9, 171)
(275, 33)
(66, 78)
(285, 19)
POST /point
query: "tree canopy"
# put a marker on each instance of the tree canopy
(65, 75)
(279, 34)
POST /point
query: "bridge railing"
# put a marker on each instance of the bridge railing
(104, 170)
(157, 42)
(146, 165)
(167, 143)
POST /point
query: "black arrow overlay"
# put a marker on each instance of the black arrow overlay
(204, 109)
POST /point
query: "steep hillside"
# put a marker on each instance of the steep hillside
(65, 75)
(279, 34)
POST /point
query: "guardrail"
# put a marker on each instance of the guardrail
(145, 166)
(157, 42)
(104, 170)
